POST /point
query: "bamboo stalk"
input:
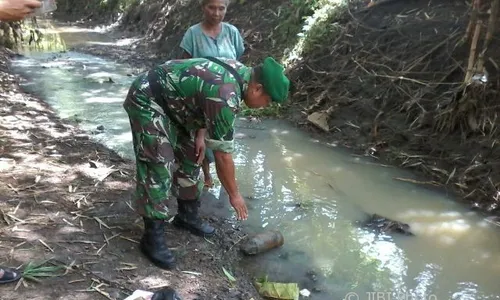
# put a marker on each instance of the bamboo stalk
(489, 33)
(473, 50)
(473, 19)
(491, 23)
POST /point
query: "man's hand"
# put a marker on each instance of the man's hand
(239, 206)
(199, 146)
(225, 170)
(16, 10)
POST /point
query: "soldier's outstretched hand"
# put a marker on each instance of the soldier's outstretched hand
(16, 10)
(239, 205)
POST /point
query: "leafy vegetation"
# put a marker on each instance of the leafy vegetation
(10, 34)
(318, 28)
(34, 271)
(273, 110)
(304, 25)
(93, 9)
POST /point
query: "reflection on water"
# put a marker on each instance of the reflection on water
(313, 193)
(45, 35)
(281, 168)
(79, 87)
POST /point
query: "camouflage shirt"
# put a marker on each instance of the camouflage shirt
(199, 93)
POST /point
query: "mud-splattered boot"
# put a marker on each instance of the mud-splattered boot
(154, 246)
(187, 217)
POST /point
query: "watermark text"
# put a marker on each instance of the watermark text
(387, 296)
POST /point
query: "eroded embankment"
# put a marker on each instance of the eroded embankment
(391, 83)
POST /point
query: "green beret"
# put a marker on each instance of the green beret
(275, 83)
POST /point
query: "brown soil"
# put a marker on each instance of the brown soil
(66, 198)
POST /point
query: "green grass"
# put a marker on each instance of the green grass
(34, 271)
(272, 111)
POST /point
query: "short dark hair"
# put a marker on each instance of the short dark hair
(205, 2)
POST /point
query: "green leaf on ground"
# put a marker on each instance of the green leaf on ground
(228, 275)
(275, 290)
(33, 271)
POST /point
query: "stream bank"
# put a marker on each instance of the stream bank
(66, 198)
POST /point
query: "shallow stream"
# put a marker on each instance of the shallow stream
(312, 191)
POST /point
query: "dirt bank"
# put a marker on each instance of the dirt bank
(390, 78)
(66, 198)
(392, 85)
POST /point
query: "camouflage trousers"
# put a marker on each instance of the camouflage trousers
(165, 156)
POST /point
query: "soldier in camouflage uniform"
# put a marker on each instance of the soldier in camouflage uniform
(171, 109)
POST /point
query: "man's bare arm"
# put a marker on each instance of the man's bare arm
(201, 133)
(225, 170)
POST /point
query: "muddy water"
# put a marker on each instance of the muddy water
(313, 192)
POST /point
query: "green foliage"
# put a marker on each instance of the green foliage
(292, 17)
(34, 271)
(94, 8)
(319, 28)
(229, 276)
(117, 5)
(10, 34)
(273, 110)
(35, 37)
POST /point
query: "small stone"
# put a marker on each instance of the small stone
(320, 119)
(305, 293)
(312, 275)
(285, 256)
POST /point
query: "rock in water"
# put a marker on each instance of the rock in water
(384, 225)
(263, 242)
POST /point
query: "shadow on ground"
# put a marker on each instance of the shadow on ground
(66, 198)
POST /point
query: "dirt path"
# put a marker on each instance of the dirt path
(66, 198)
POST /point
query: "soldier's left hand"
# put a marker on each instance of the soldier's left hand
(199, 148)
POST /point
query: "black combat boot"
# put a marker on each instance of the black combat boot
(153, 244)
(187, 218)
(166, 294)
